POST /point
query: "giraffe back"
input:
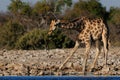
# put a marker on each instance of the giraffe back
(93, 28)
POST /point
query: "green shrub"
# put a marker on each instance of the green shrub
(32, 40)
(60, 40)
(9, 34)
(38, 39)
(116, 43)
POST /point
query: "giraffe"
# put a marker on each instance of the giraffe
(88, 29)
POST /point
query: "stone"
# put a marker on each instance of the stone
(1, 74)
(33, 72)
(105, 70)
(40, 73)
(77, 66)
(36, 62)
(69, 65)
(6, 74)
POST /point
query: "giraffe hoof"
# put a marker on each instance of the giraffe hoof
(105, 69)
(60, 68)
(92, 70)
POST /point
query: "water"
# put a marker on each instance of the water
(59, 78)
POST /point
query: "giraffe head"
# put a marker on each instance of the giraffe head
(53, 26)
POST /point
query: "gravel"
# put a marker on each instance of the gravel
(47, 62)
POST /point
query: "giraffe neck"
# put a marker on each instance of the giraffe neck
(76, 24)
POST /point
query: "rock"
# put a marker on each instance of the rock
(40, 73)
(105, 70)
(118, 72)
(1, 65)
(69, 65)
(6, 74)
(33, 72)
(14, 66)
(45, 64)
(40, 62)
(58, 73)
(14, 69)
(1, 74)
(77, 66)
(62, 51)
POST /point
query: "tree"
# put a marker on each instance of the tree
(60, 4)
(54, 6)
(19, 7)
(41, 7)
(115, 15)
(90, 8)
(114, 24)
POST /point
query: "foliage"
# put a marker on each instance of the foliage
(114, 25)
(38, 39)
(59, 4)
(9, 34)
(26, 9)
(19, 7)
(32, 40)
(60, 40)
(45, 6)
(15, 6)
(115, 15)
(41, 7)
(90, 8)
(25, 26)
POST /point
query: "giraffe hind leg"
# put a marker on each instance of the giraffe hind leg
(105, 44)
(96, 56)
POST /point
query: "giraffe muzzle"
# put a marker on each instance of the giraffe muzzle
(49, 33)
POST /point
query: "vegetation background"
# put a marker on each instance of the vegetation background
(25, 26)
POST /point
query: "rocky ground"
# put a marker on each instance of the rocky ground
(43, 62)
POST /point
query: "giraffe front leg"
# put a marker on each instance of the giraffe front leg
(73, 51)
(86, 56)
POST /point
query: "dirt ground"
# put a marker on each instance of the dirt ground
(47, 62)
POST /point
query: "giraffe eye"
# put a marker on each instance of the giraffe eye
(55, 24)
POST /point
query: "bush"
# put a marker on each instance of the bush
(32, 40)
(9, 34)
(89, 8)
(38, 39)
(60, 40)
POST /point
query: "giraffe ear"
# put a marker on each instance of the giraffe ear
(52, 21)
